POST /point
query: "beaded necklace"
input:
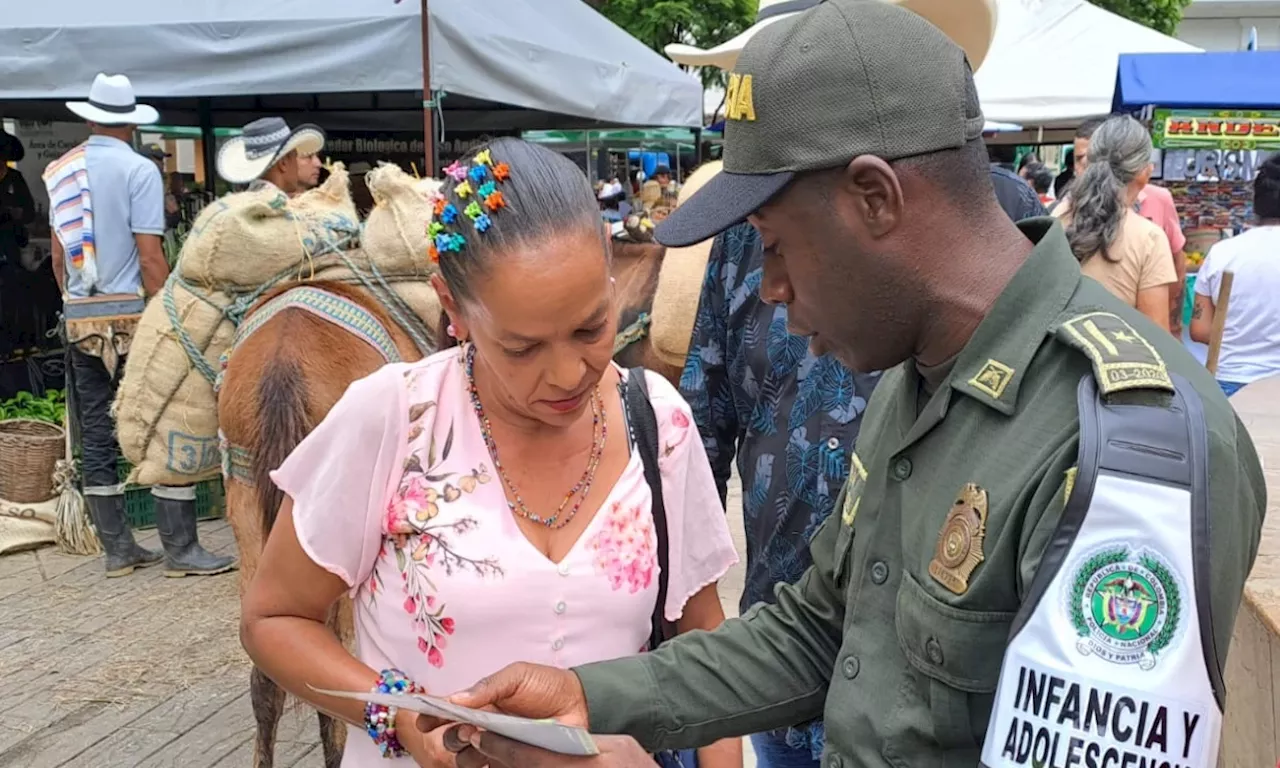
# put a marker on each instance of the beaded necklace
(599, 431)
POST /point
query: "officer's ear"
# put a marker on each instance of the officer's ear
(872, 193)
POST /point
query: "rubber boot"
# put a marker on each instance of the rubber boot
(123, 554)
(183, 555)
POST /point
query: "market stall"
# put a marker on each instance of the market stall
(1214, 118)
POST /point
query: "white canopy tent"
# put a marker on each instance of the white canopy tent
(552, 56)
(1054, 61)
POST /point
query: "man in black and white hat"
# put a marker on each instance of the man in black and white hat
(269, 152)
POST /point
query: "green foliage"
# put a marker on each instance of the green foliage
(704, 23)
(51, 408)
(1173, 600)
(1161, 15)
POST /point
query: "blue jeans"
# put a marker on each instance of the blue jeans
(772, 751)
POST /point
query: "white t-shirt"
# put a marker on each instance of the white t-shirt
(1251, 335)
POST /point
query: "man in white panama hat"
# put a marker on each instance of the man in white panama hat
(269, 152)
(106, 205)
(970, 23)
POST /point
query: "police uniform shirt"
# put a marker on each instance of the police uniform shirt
(901, 654)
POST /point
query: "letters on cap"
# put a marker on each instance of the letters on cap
(1122, 359)
(737, 100)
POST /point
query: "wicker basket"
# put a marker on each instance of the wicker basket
(29, 450)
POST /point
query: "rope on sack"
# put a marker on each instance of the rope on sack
(632, 333)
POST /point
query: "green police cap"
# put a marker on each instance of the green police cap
(843, 79)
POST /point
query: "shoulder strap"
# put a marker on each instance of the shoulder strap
(644, 428)
(1122, 358)
(1166, 443)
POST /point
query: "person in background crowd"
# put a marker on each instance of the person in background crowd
(1251, 333)
(1064, 179)
(460, 562)
(1117, 247)
(1015, 196)
(1041, 180)
(172, 213)
(17, 207)
(659, 190)
(17, 212)
(270, 154)
(1028, 161)
(116, 252)
(1155, 204)
(1080, 145)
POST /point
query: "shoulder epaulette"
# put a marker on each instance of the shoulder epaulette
(1122, 358)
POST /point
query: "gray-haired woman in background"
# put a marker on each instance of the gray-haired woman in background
(1129, 255)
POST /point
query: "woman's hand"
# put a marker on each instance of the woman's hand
(427, 749)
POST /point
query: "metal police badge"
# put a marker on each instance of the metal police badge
(960, 541)
(1125, 604)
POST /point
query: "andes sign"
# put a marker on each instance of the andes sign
(1205, 129)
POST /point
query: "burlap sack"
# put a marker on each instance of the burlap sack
(247, 238)
(395, 234)
(680, 278)
(166, 411)
(26, 526)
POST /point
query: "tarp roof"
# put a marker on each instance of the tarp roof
(555, 56)
(1054, 61)
(1229, 80)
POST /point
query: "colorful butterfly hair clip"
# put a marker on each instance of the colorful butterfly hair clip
(495, 201)
(483, 222)
(456, 171)
(486, 189)
(462, 189)
(478, 173)
(501, 171)
(484, 157)
(473, 210)
(449, 214)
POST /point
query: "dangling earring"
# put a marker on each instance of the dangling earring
(453, 332)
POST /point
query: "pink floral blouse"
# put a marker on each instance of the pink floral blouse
(395, 493)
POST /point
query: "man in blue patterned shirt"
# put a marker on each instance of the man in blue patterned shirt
(791, 417)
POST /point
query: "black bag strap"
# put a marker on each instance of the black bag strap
(644, 430)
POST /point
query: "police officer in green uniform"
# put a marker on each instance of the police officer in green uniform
(853, 143)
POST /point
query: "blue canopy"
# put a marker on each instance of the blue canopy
(1230, 80)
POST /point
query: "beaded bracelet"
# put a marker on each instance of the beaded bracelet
(380, 720)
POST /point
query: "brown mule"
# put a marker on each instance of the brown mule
(278, 385)
(635, 271)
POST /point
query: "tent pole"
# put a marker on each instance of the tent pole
(428, 98)
(697, 147)
(208, 144)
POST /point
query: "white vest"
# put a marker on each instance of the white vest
(1111, 661)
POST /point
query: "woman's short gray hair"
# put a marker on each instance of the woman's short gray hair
(1119, 151)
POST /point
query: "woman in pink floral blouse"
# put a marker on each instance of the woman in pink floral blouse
(487, 505)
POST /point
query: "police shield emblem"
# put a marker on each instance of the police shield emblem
(959, 549)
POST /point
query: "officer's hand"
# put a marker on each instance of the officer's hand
(526, 690)
(478, 749)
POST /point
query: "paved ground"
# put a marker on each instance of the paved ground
(141, 671)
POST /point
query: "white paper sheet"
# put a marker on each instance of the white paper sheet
(547, 734)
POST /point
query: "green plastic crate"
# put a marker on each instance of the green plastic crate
(139, 504)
